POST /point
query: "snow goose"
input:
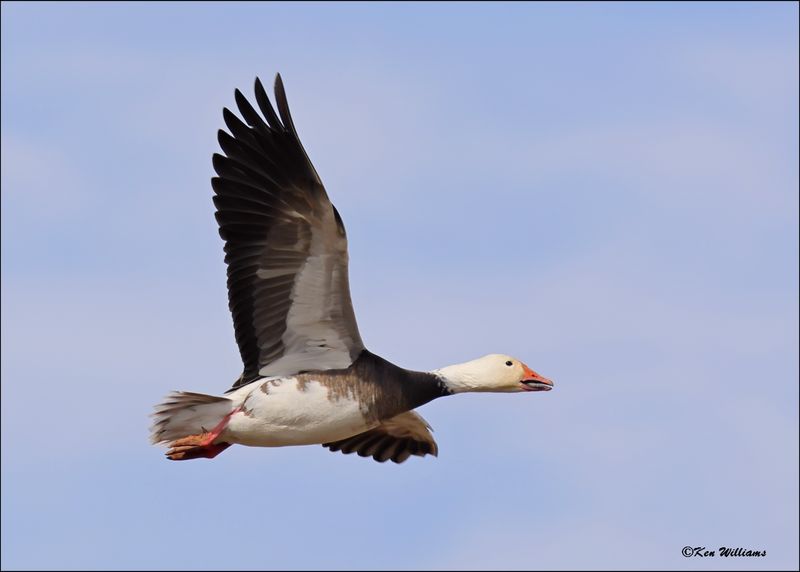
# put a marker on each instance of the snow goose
(307, 379)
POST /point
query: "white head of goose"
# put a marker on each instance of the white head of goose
(307, 379)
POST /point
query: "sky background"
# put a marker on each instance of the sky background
(608, 192)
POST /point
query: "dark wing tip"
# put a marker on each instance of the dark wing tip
(238, 95)
(258, 87)
(283, 105)
(218, 161)
(248, 112)
(266, 106)
(228, 116)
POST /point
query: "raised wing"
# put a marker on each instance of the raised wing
(285, 245)
(397, 439)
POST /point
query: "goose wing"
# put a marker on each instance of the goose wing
(285, 247)
(397, 439)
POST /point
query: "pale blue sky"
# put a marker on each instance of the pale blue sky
(608, 192)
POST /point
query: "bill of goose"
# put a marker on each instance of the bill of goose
(307, 379)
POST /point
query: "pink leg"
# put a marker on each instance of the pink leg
(201, 446)
(196, 452)
(220, 427)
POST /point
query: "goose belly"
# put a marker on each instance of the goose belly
(283, 411)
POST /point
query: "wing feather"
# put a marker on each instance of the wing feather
(397, 439)
(285, 246)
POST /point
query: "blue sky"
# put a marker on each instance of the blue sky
(608, 192)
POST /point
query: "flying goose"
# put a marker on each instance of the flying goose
(307, 379)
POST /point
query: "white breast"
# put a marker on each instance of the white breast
(279, 411)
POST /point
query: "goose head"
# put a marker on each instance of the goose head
(497, 373)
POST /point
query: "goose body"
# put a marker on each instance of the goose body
(326, 406)
(281, 411)
(307, 378)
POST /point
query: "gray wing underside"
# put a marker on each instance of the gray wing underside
(285, 245)
(395, 439)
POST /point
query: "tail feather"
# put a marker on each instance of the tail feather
(184, 413)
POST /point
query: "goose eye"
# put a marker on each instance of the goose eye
(509, 364)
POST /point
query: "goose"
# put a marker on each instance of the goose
(308, 379)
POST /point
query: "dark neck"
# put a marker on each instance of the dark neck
(397, 389)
